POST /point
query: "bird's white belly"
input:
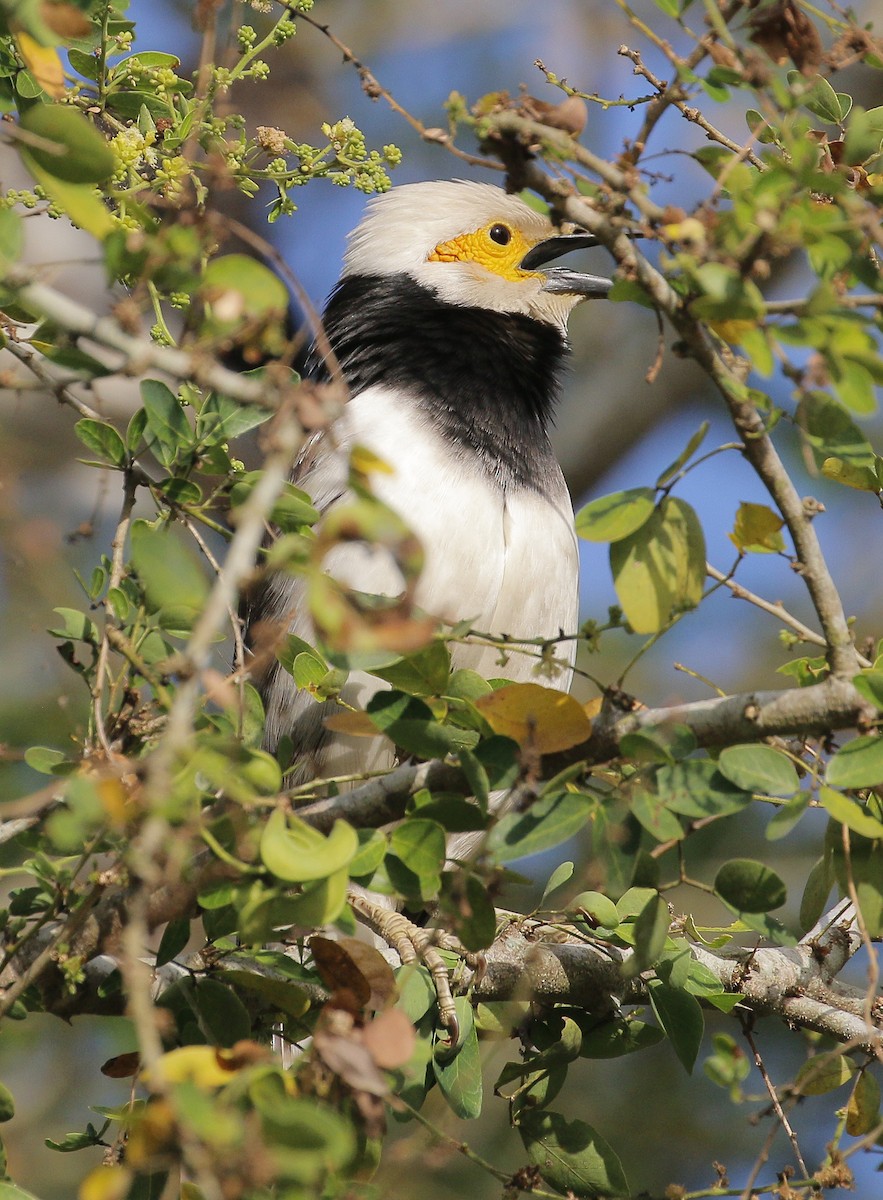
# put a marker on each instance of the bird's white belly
(505, 560)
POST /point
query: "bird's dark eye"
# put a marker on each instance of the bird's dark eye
(501, 234)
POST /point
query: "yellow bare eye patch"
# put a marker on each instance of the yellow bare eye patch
(497, 247)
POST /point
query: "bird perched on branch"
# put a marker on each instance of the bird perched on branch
(449, 329)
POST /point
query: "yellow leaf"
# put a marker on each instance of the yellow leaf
(593, 707)
(541, 717)
(106, 1183)
(43, 63)
(80, 201)
(756, 528)
(863, 1109)
(689, 230)
(200, 1065)
(112, 795)
(364, 461)
(732, 331)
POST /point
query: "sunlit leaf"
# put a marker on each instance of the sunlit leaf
(615, 516)
(756, 530)
(759, 768)
(659, 570)
(295, 852)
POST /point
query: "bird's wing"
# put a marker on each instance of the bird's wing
(278, 607)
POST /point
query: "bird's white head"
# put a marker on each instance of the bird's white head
(467, 242)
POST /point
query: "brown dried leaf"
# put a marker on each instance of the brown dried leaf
(245, 1053)
(570, 115)
(338, 969)
(390, 1038)
(355, 724)
(65, 21)
(350, 1060)
(122, 1066)
(374, 967)
(784, 32)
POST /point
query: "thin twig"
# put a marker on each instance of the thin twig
(375, 90)
(775, 609)
(774, 1098)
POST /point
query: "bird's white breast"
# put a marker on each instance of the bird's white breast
(504, 559)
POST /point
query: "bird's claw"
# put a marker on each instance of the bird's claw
(411, 943)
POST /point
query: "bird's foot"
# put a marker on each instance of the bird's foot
(412, 943)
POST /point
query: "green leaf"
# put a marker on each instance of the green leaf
(475, 918)
(686, 454)
(416, 991)
(659, 570)
(43, 759)
(410, 724)
(103, 439)
(597, 907)
(238, 289)
(831, 432)
(308, 1138)
(369, 856)
(221, 419)
(76, 626)
(562, 873)
(296, 853)
(611, 1039)
(223, 1018)
(653, 813)
(168, 431)
(870, 685)
(570, 1155)
(659, 743)
(66, 145)
(824, 1073)
(11, 238)
(7, 1104)
(173, 582)
(319, 904)
(819, 882)
(785, 818)
(858, 764)
(612, 517)
(863, 868)
(651, 930)
(458, 1073)
(749, 886)
(681, 1017)
(847, 812)
(291, 510)
(175, 937)
(853, 384)
(84, 64)
(759, 768)
(425, 673)
(818, 96)
(550, 821)
(696, 788)
(420, 844)
(863, 135)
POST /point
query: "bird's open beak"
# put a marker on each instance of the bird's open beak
(562, 279)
